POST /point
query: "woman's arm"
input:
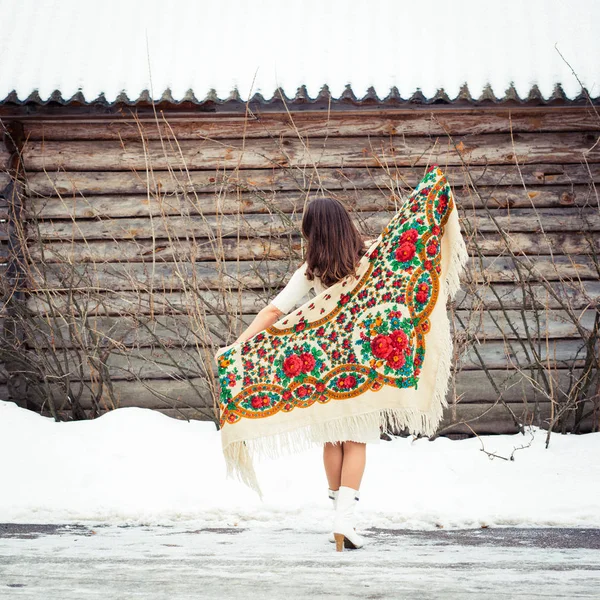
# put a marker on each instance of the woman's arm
(287, 298)
(265, 318)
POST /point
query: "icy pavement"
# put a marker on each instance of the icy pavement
(176, 562)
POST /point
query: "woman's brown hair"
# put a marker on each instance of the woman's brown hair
(334, 245)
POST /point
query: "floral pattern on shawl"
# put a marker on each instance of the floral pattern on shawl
(373, 337)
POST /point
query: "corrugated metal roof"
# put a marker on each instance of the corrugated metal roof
(227, 52)
(302, 99)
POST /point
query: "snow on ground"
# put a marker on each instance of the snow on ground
(138, 466)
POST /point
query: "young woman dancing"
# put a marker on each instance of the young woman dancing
(334, 249)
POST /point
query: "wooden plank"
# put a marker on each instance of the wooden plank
(189, 330)
(4, 179)
(509, 385)
(466, 387)
(355, 151)
(229, 276)
(4, 252)
(497, 419)
(267, 225)
(4, 156)
(161, 363)
(90, 182)
(481, 418)
(164, 249)
(501, 295)
(110, 205)
(499, 355)
(156, 393)
(577, 295)
(380, 122)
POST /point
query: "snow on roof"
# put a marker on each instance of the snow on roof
(127, 46)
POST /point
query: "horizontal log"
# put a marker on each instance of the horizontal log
(200, 127)
(193, 329)
(466, 387)
(555, 295)
(499, 355)
(502, 295)
(114, 206)
(267, 225)
(228, 276)
(509, 385)
(161, 363)
(150, 250)
(355, 151)
(482, 420)
(155, 393)
(4, 179)
(256, 181)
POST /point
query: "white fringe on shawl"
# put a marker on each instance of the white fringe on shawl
(240, 455)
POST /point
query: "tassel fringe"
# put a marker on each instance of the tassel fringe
(239, 456)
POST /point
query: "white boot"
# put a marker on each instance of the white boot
(343, 525)
(333, 496)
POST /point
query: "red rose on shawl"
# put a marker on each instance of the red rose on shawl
(399, 339)
(320, 386)
(411, 235)
(435, 230)
(428, 265)
(405, 252)
(344, 298)
(308, 362)
(431, 249)
(302, 391)
(292, 365)
(381, 346)
(259, 401)
(286, 395)
(443, 203)
(423, 293)
(396, 359)
(346, 382)
(300, 326)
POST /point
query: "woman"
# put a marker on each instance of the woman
(334, 248)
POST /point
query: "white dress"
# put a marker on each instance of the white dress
(296, 289)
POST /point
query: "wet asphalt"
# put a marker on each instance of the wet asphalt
(76, 561)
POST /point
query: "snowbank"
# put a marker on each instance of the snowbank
(138, 466)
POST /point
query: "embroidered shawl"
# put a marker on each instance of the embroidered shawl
(368, 354)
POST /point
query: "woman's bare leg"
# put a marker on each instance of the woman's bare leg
(332, 459)
(353, 464)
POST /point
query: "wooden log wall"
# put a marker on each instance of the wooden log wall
(139, 219)
(5, 181)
